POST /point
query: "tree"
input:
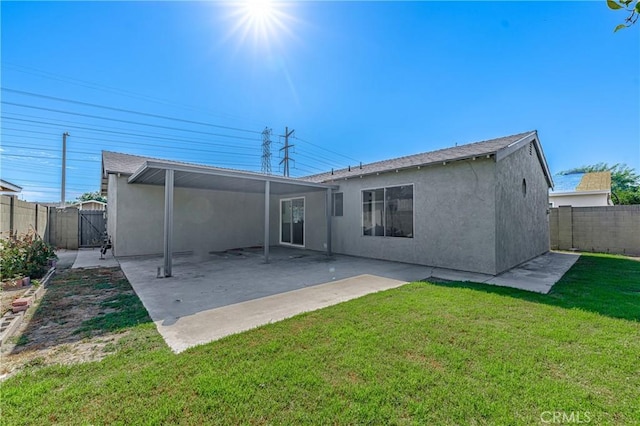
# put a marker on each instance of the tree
(625, 182)
(88, 196)
(630, 6)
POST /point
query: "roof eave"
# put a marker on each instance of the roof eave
(413, 166)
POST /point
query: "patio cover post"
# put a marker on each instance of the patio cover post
(329, 212)
(267, 190)
(168, 220)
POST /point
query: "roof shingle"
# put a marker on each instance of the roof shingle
(461, 152)
(595, 181)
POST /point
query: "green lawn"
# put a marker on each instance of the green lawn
(421, 354)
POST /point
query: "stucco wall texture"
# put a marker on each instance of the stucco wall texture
(454, 211)
(522, 220)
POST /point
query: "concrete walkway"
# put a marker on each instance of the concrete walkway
(66, 258)
(537, 275)
(90, 258)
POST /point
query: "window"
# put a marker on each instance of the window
(337, 207)
(372, 208)
(388, 212)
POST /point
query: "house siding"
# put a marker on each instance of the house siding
(579, 200)
(522, 221)
(454, 217)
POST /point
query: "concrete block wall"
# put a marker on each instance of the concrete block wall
(611, 229)
(22, 216)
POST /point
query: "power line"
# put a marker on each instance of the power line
(141, 135)
(111, 89)
(326, 149)
(79, 114)
(146, 114)
(241, 154)
(245, 138)
(33, 148)
(316, 157)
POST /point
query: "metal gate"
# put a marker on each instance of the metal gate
(92, 225)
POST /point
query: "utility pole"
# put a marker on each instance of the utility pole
(285, 148)
(64, 169)
(266, 151)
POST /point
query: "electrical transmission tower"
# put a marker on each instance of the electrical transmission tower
(266, 151)
(285, 148)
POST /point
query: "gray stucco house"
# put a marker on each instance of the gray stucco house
(480, 207)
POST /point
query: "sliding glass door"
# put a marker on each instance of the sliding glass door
(292, 221)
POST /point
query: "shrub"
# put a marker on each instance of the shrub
(24, 255)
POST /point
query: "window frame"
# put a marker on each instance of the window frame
(304, 222)
(384, 210)
(333, 204)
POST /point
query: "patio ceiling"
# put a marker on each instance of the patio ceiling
(202, 177)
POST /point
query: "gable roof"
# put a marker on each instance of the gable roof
(582, 182)
(116, 162)
(500, 147)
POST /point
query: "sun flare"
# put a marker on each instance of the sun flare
(264, 21)
(259, 10)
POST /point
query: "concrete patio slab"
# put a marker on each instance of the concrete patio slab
(217, 294)
(214, 324)
(90, 258)
(205, 283)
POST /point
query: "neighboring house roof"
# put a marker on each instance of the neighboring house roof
(499, 147)
(595, 181)
(9, 187)
(581, 183)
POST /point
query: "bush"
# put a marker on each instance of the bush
(26, 255)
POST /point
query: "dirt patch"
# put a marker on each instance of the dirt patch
(8, 295)
(81, 317)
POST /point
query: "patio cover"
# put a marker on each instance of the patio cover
(170, 175)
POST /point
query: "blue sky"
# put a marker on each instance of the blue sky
(358, 81)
